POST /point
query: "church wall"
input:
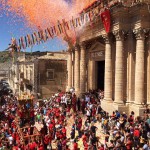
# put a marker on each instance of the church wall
(50, 86)
(129, 23)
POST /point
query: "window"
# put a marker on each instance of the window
(50, 74)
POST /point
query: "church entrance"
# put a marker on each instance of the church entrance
(100, 74)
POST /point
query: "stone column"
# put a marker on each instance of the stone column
(130, 69)
(73, 67)
(139, 68)
(108, 69)
(82, 68)
(91, 75)
(77, 70)
(69, 66)
(148, 70)
(119, 67)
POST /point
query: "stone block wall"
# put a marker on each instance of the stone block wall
(48, 87)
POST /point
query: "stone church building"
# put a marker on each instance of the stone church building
(118, 62)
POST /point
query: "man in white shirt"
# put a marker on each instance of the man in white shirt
(89, 105)
(10, 138)
(87, 98)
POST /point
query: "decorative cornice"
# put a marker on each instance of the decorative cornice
(119, 35)
(140, 33)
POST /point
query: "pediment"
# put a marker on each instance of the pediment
(97, 47)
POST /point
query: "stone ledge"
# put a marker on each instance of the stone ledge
(109, 106)
(121, 108)
(138, 109)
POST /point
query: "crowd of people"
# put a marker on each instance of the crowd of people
(90, 128)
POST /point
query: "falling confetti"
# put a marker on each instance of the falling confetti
(44, 13)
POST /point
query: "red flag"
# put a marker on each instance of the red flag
(105, 16)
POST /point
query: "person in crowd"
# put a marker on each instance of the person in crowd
(53, 120)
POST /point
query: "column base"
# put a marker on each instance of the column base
(108, 99)
(110, 106)
(137, 108)
(68, 89)
(121, 107)
(77, 92)
(107, 105)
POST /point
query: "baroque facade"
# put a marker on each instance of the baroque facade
(123, 56)
(44, 73)
(51, 73)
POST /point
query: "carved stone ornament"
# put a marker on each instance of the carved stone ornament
(76, 47)
(97, 54)
(82, 45)
(70, 50)
(107, 38)
(119, 35)
(140, 33)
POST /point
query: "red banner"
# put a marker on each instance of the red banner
(105, 16)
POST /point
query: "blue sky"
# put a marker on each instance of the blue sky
(13, 26)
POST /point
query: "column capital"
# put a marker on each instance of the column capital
(119, 35)
(107, 38)
(76, 47)
(70, 50)
(82, 45)
(140, 33)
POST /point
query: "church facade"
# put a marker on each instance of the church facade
(117, 62)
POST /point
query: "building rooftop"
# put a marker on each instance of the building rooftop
(55, 56)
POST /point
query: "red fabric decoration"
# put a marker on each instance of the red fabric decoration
(105, 16)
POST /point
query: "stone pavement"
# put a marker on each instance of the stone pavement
(70, 122)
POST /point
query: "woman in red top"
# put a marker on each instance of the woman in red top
(93, 112)
(129, 144)
(41, 147)
(64, 131)
(32, 115)
(86, 146)
(101, 147)
(47, 141)
(75, 145)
